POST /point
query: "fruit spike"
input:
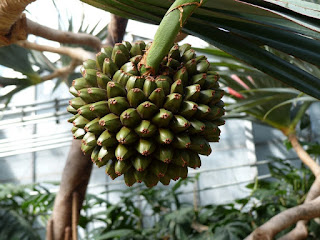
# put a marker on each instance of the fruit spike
(140, 163)
(147, 109)
(145, 147)
(102, 80)
(106, 139)
(129, 177)
(165, 136)
(146, 129)
(117, 105)
(126, 136)
(135, 82)
(130, 117)
(149, 128)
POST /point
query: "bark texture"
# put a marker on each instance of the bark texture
(285, 219)
(75, 178)
(116, 29)
(78, 54)
(12, 23)
(62, 36)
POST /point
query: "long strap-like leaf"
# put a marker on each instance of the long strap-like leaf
(259, 58)
(240, 29)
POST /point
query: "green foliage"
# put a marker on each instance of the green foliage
(15, 227)
(161, 213)
(289, 190)
(8, 59)
(23, 209)
(9, 56)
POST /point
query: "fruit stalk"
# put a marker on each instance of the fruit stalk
(167, 32)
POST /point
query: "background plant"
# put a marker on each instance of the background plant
(24, 210)
(162, 214)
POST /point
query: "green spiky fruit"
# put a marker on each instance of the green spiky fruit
(148, 128)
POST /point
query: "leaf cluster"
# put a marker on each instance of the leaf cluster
(23, 210)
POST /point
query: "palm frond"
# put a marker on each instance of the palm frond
(241, 27)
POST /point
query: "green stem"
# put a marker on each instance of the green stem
(167, 32)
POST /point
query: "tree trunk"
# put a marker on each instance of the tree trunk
(75, 178)
(116, 30)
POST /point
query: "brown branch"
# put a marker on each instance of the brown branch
(271, 228)
(303, 155)
(62, 36)
(49, 233)
(75, 178)
(67, 233)
(12, 24)
(75, 215)
(116, 29)
(314, 191)
(285, 219)
(75, 53)
(199, 227)
(62, 72)
(300, 231)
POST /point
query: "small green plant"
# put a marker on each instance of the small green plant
(24, 210)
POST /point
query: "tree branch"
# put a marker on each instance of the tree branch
(300, 231)
(12, 24)
(67, 233)
(303, 155)
(62, 36)
(49, 233)
(75, 53)
(75, 215)
(116, 29)
(62, 72)
(270, 228)
(75, 178)
(199, 227)
(285, 219)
